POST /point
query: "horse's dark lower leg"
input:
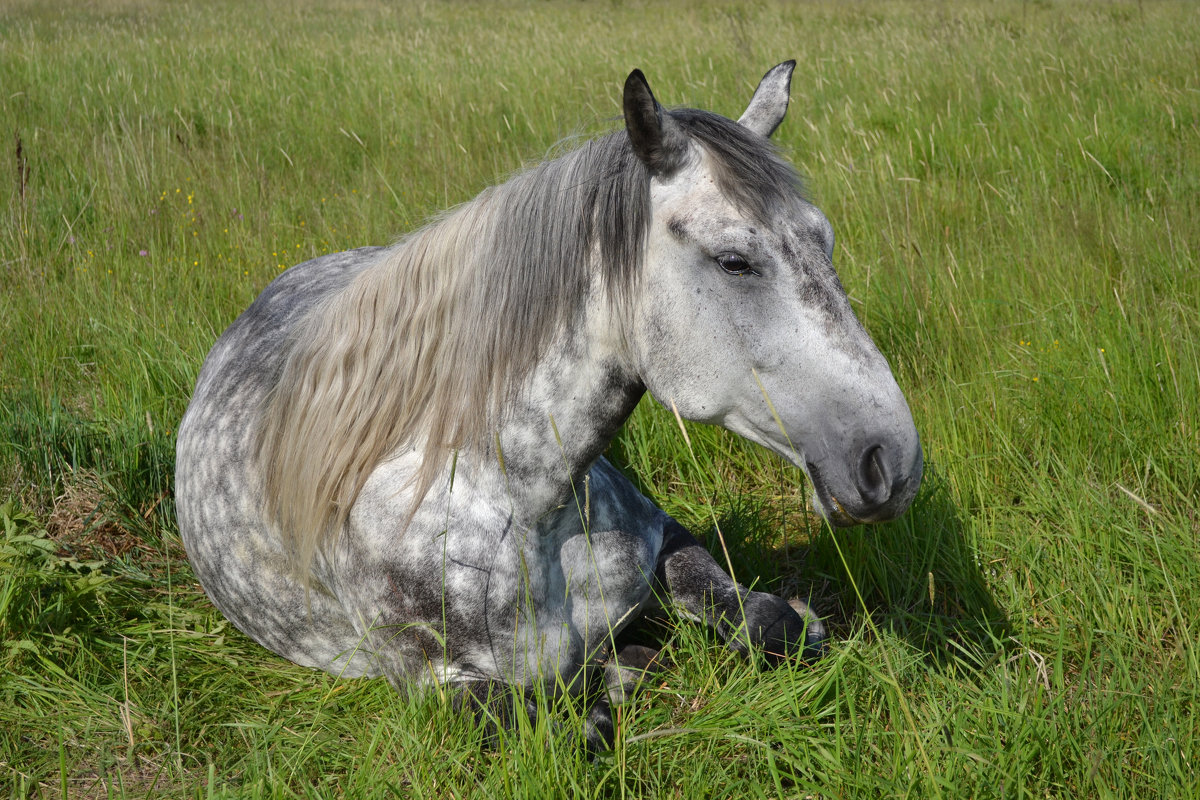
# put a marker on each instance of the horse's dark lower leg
(497, 706)
(689, 578)
(599, 730)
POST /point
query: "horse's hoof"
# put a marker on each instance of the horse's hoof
(816, 643)
(599, 731)
(625, 671)
(783, 630)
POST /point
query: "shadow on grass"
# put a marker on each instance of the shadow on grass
(918, 578)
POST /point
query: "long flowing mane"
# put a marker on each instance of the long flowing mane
(422, 349)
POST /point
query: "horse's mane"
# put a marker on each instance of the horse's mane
(422, 350)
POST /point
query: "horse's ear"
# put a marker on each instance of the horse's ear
(655, 137)
(770, 100)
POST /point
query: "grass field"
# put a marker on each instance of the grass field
(1016, 193)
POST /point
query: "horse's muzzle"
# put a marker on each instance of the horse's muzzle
(882, 482)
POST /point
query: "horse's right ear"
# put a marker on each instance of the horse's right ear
(770, 101)
(655, 138)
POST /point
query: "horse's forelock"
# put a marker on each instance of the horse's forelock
(747, 166)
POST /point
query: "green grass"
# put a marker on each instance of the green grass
(1016, 196)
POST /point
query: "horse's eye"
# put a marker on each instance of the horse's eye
(735, 264)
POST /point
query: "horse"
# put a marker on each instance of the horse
(392, 464)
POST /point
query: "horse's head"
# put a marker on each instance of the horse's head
(741, 320)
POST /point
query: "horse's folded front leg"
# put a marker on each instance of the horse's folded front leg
(689, 578)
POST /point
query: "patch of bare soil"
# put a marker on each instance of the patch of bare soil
(81, 524)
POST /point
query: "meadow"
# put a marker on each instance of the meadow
(1015, 188)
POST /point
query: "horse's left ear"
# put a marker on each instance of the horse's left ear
(654, 135)
(770, 100)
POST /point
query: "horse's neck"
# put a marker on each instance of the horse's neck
(573, 404)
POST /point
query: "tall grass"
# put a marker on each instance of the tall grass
(1017, 203)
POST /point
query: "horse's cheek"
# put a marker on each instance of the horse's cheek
(678, 335)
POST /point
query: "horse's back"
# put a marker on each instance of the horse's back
(250, 350)
(237, 556)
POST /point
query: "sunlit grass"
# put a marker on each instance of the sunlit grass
(1017, 207)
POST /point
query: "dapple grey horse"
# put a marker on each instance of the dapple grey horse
(392, 461)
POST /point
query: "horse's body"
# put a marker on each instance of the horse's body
(392, 461)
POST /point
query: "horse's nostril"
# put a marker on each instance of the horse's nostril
(874, 483)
